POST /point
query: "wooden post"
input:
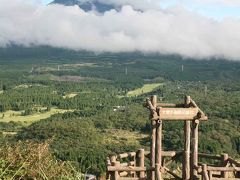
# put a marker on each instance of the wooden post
(204, 172)
(224, 164)
(210, 175)
(187, 140)
(194, 154)
(158, 165)
(140, 162)
(116, 173)
(153, 137)
(112, 160)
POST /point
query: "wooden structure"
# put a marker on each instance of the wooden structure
(152, 165)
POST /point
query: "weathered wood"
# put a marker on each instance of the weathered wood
(131, 163)
(116, 173)
(187, 140)
(158, 165)
(177, 114)
(169, 105)
(194, 154)
(233, 161)
(119, 168)
(186, 154)
(202, 114)
(165, 153)
(204, 172)
(224, 163)
(210, 175)
(153, 136)
(140, 162)
(225, 179)
(130, 178)
(125, 155)
(209, 156)
(112, 160)
(224, 169)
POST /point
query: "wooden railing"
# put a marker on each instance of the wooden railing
(227, 168)
(134, 166)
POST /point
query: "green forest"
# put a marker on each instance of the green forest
(77, 104)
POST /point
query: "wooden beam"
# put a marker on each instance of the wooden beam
(194, 154)
(130, 178)
(125, 155)
(209, 156)
(158, 165)
(169, 105)
(178, 113)
(165, 153)
(187, 140)
(225, 169)
(233, 161)
(153, 135)
(129, 168)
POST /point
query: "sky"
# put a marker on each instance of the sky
(190, 28)
(217, 9)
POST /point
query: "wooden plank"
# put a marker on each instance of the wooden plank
(165, 153)
(209, 156)
(130, 178)
(178, 113)
(225, 179)
(233, 161)
(119, 168)
(169, 105)
(124, 155)
(226, 169)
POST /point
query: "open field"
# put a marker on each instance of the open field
(145, 89)
(16, 116)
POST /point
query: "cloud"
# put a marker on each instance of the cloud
(170, 31)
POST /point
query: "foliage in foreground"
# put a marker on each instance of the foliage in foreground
(29, 160)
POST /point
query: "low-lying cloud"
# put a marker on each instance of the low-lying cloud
(170, 31)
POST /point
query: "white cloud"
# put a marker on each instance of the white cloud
(174, 30)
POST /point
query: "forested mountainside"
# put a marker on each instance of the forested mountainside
(86, 106)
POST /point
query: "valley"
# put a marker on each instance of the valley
(74, 106)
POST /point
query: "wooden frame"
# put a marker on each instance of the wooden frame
(135, 169)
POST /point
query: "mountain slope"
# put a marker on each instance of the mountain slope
(86, 5)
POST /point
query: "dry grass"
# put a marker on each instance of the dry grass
(32, 161)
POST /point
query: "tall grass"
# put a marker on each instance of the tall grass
(28, 160)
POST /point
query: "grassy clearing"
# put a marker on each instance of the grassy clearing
(16, 116)
(117, 136)
(70, 95)
(22, 86)
(1, 92)
(145, 89)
